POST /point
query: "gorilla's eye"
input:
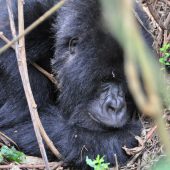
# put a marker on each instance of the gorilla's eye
(72, 45)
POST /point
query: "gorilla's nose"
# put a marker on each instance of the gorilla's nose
(114, 104)
(114, 100)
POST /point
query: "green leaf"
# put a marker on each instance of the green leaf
(161, 49)
(167, 64)
(167, 55)
(161, 60)
(165, 48)
(98, 163)
(12, 154)
(90, 162)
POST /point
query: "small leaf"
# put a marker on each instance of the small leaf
(98, 163)
(90, 162)
(167, 64)
(12, 154)
(161, 60)
(161, 49)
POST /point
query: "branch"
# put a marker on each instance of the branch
(33, 25)
(53, 165)
(46, 73)
(39, 68)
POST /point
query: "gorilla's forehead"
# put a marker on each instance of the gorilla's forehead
(79, 16)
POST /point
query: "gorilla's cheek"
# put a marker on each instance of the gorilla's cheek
(110, 108)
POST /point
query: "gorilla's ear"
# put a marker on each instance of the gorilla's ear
(72, 45)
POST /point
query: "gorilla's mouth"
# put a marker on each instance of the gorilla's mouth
(114, 120)
(92, 117)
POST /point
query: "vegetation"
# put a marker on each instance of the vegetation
(165, 58)
(98, 163)
(11, 154)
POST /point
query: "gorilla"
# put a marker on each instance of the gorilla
(92, 111)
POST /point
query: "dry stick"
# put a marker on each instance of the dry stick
(9, 139)
(168, 38)
(167, 21)
(22, 65)
(148, 136)
(21, 58)
(165, 36)
(116, 162)
(167, 2)
(47, 74)
(5, 39)
(34, 25)
(150, 133)
(155, 16)
(39, 68)
(32, 166)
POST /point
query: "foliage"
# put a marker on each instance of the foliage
(11, 154)
(165, 58)
(98, 163)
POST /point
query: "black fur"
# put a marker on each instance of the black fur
(81, 70)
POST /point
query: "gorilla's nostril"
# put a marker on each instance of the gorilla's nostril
(111, 109)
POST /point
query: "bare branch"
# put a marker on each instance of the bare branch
(34, 25)
(53, 165)
(39, 68)
(46, 73)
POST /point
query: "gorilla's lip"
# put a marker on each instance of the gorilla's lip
(95, 119)
(111, 123)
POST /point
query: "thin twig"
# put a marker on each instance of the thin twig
(150, 133)
(168, 2)
(9, 139)
(34, 25)
(5, 39)
(116, 162)
(167, 22)
(155, 16)
(39, 68)
(46, 73)
(32, 166)
(22, 65)
(26, 84)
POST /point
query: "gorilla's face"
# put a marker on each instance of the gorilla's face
(89, 66)
(110, 107)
